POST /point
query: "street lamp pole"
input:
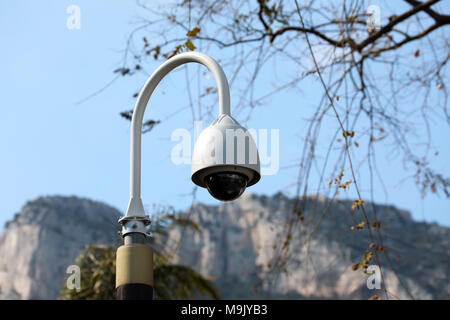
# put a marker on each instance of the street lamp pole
(219, 164)
(134, 264)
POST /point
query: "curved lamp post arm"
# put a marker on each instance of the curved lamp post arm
(135, 209)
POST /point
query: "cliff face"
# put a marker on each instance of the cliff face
(236, 248)
(38, 245)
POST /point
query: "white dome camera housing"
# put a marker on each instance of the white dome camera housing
(225, 159)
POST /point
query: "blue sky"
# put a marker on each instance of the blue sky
(52, 145)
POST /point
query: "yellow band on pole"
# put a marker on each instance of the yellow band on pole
(134, 264)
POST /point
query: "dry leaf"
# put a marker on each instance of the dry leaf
(356, 204)
(190, 45)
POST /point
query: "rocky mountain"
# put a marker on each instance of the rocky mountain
(239, 246)
(241, 241)
(44, 238)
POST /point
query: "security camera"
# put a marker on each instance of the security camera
(225, 159)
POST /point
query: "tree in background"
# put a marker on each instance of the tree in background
(172, 281)
(383, 82)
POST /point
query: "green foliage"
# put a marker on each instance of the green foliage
(176, 281)
(98, 273)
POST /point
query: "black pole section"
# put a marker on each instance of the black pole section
(134, 291)
(134, 269)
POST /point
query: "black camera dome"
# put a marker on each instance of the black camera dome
(226, 186)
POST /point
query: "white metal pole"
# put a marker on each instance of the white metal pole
(134, 259)
(135, 211)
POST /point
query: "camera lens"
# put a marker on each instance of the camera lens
(226, 186)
